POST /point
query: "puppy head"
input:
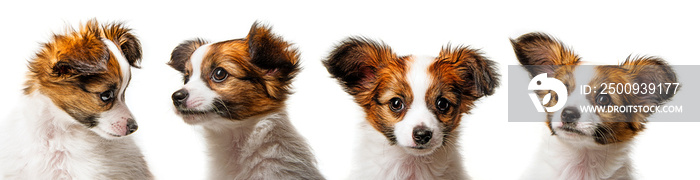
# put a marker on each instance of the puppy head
(541, 53)
(85, 73)
(415, 102)
(234, 79)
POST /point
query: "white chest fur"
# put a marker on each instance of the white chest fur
(375, 158)
(41, 141)
(560, 160)
(266, 147)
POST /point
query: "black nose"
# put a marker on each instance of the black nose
(131, 126)
(180, 96)
(422, 135)
(570, 115)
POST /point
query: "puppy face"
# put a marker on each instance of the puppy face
(543, 54)
(416, 102)
(235, 79)
(85, 73)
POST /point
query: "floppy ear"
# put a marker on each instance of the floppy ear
(127, 42)
(181, 54)
(89, 56)
(541, 53)
(652, 70)
(270, 53)
(476, 75)
(355, 61)
(76, 67)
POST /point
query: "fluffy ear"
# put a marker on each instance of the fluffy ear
(655, 71)
(181, 54)
(76, 67)
(355, 62)
(270, 53)
(541, 53)
(127, 42)
(476, 75)
(89, 56)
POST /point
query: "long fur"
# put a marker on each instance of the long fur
(597, 146)
(377, 159)
(406, 97)
(41, 141)
(262, 147)
(61, 129)
(556, 159)
(247, 130)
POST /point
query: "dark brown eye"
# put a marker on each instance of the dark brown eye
(107, 96)
(219, 75)
(396, 104)
(602, 99)
(186, 79)
(442, 105)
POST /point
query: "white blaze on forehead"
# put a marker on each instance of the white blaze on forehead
(419, 79)
(114, 121)
(123, 65)
(201, 97)
(417, 113)
(582, 76)
(196, 60)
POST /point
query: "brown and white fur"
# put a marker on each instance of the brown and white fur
(588, 145)
(73, 122)
(413, 106)
(236, 90)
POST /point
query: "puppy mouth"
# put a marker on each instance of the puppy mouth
(109, 134)
(114, 135)
(422, 150)
(572, 130)
(194, 112)
(217, 108)
(420, 147)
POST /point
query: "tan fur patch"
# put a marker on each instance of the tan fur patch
(540, 53)
(374, 75)
(462, 75)
(74, 68)
(259, 69)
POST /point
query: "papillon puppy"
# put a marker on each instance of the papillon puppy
(236, 90)
(584, 144)
(413, 106)
(73, 122)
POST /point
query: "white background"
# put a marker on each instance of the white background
(605, 31)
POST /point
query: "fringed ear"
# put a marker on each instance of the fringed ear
(541, 53)
(127, 42)
(76, 67)
(181, 54)
(355, 62)
(636, 126)
(652, 70)
(275, 57)
(477, 75)
(84, 56)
